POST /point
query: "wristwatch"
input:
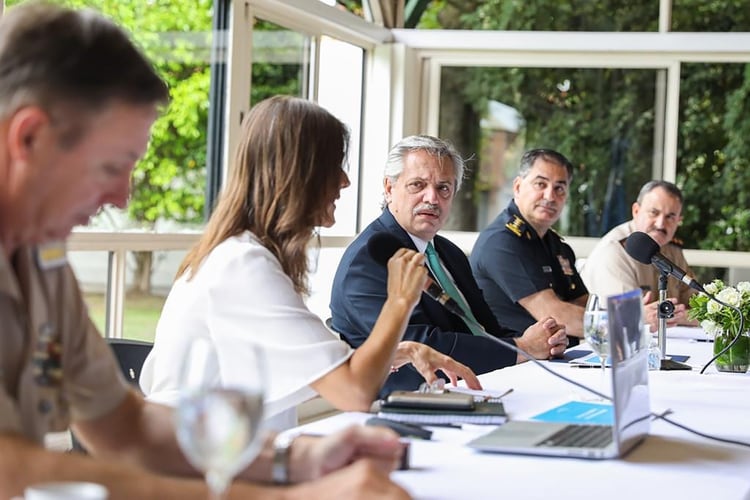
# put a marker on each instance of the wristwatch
(281, 447)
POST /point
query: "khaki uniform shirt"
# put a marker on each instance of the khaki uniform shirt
(609, 270)
(54, 365)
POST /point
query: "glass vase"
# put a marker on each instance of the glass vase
(737, 358)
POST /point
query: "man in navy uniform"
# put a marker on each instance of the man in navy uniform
(524, 268)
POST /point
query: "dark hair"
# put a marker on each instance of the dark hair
(667, 186)
(285, 168)
(67, 61)
(550, 155)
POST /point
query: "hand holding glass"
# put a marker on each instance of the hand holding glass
(217, 425)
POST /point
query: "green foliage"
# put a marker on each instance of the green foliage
(169, 182)
(606, 118)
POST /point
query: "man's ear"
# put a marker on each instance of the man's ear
(634, 209)
(516, 185)
(387, 187)
(25, 129)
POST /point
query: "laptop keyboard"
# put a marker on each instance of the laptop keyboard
(580, 436)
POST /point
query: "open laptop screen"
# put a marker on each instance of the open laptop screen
(629, 353)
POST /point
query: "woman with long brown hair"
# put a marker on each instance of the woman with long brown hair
(245, 279)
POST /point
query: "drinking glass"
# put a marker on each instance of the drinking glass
(217, 424)
(596, 333)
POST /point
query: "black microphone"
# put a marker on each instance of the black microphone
(644, 249)
(382, 246)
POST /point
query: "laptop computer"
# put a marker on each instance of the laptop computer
(630, 400)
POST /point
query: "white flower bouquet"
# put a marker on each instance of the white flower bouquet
(723, 323)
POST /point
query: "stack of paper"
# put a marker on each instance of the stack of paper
(483, 413)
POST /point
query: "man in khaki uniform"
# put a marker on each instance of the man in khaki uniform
(77, 102)
(609, 270)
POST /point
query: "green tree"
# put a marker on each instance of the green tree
(606, 118)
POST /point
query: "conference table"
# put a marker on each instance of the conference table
(669, 463)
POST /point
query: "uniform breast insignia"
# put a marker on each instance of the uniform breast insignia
(47, 358)
(51, 255)
(565, 265)
(47, 370)
(516, 226)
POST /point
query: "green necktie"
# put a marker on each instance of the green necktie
(450, 288)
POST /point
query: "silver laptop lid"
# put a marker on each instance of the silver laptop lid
(629, 354)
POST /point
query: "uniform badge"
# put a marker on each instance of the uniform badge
(565, 265)
(516, 225)
(51, 255)
(47, 358)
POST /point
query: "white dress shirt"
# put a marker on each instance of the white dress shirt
(240, 295)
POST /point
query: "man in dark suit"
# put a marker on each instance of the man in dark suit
(422, 176)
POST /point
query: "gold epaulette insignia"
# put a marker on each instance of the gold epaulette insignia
(516, 226)
(677, 242)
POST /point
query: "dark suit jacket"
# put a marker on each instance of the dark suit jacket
(360, 289)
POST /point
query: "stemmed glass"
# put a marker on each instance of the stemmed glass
(596, 333)
(217, 425)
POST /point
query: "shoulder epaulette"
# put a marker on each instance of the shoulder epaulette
(556, 234)
(516, 225)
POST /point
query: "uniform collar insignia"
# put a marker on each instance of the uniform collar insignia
(51, 255)
(516, 225)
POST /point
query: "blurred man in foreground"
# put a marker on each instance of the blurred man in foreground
(77, 102)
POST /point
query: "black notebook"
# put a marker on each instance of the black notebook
(483, 413)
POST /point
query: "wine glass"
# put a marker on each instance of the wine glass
(217, 424)
(596, 333)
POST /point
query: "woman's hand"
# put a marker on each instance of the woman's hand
(427, 361)
(407, 276)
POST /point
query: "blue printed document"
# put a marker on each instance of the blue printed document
(590, 360)
(579, 412)
(593, 360)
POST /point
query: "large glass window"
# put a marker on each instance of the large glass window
(280, 62)
(602, 119)
(330, 72)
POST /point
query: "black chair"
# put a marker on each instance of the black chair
(130, 356)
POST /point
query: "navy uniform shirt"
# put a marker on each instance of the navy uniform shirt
(510, 262)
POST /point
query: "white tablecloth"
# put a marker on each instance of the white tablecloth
(670, 463)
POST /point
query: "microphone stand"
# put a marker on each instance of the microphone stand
(665, 310)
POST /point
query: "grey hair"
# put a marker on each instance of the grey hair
(550, 155)
(667, 186)
(434, 146)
